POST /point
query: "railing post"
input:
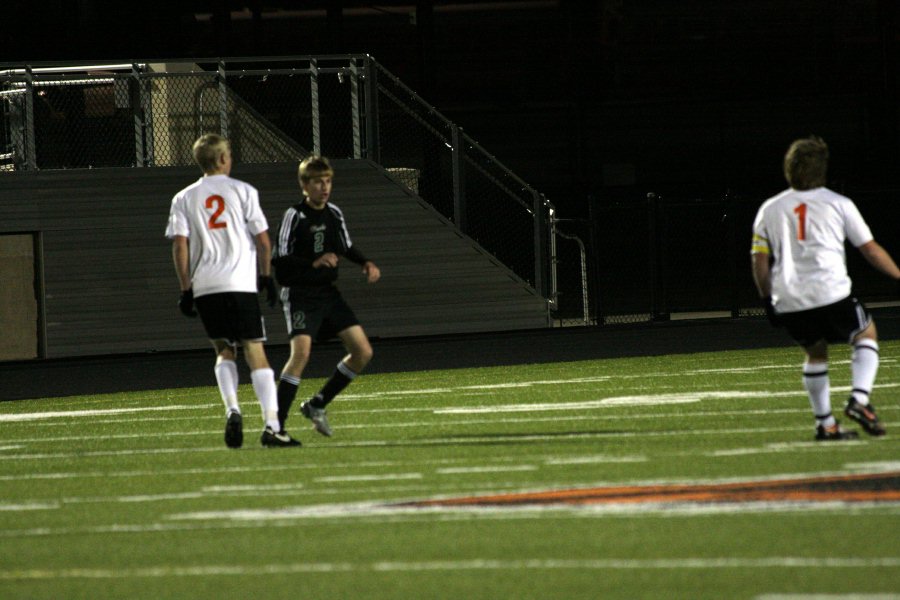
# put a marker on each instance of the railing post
(540, 250)
(370, 93)
(354, 107)
(314, 91)
(459, 189)
(223, 100)
(30, 148)
(554, 260)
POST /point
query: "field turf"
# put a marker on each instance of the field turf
(679, 476)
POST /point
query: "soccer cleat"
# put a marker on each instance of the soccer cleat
(864, 415)
(834, 433)
(234, 430)
(317, 416)
(282, 439)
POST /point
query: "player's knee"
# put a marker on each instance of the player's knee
(362, 355)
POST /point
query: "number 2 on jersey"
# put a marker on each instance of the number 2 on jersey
(801, 221)
(219, 202)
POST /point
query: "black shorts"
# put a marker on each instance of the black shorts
(320, 313)
(232, 316)
(835, 323)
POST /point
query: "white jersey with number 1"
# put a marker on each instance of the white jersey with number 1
(804, 232)
(220, 216)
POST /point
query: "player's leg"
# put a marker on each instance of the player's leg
(289, 382)
(863, 368)
(218, 321)
(263, 379)
(249, 329)
(811, 329)
(359, 354)
(227, 379)
(227, 374)
(817, 384)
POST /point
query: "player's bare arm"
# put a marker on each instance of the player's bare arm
(762, 274)
(181, 256)
(263, 253)
(879, 258)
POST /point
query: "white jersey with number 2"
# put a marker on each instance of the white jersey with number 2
(220, 216)
(804, 232)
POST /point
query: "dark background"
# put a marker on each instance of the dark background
(604, 100)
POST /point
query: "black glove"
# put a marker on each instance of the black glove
(265, 282)
(771, 315)
(186, 303)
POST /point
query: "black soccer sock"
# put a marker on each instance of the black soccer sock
(287, 391)
(340, 379)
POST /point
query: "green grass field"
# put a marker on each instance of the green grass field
(134, 495)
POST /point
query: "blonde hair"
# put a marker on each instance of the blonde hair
(806, 163)
(207, 150)
(314, 166)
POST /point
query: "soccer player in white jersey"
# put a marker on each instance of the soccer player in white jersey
(799, 268)
(222, 253)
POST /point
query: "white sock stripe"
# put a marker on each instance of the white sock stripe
(815, 369)
(345, 370)
(290, 379)
(866, 344)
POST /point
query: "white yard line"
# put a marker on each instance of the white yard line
(34, 416)
(497, 469)
(476, 564)
(358, 478)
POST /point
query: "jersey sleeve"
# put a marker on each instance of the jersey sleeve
(178, 223)
(856, 229)
(760, 241)
(256, 219)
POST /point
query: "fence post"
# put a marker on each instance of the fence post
(30, 148)
(314, 92)
(459, 188)
(223, 100)
(137, 111)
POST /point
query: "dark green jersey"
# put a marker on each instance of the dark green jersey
(305, 235)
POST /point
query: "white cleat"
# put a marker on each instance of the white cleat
(317, 416)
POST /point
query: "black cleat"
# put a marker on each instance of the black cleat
(864, 415)
(834, 433)
(234, 430)
(282, 439)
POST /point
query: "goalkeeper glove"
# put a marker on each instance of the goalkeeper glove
(186, 303)
(265, 282)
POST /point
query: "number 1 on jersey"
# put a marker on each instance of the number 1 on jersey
(214, 222)
(801, 221)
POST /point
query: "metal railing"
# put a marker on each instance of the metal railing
(143, 114)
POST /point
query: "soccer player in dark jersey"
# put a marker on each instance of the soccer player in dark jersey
(311, 241)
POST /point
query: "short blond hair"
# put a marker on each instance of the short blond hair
(806, 163)
(207, 150)
(312, 167)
